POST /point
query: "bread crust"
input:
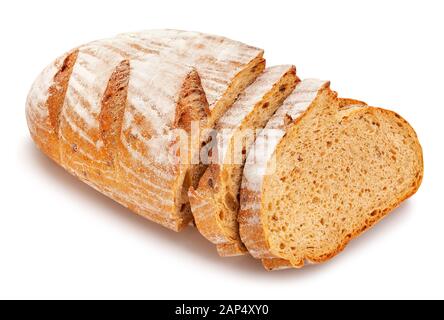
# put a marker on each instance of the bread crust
(205, 207)
(95, 113)
(275, 264)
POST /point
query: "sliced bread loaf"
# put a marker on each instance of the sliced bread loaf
(215, 202)
(331, 170)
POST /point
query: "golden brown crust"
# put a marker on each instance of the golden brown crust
(252, 232)
(231, 249)
(345, 103)
(277, 264)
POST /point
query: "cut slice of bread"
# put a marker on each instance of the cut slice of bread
(215, 202)
(336, 168)
(274, 264)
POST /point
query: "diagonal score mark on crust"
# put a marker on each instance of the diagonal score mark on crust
(113, 108)
(45, 102)
(192, 111)
(57, 91)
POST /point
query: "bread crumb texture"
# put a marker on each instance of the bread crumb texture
(338, 170)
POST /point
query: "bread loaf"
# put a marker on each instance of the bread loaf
(336, 168)
(120, 115)
(215, 202)
(106, 110)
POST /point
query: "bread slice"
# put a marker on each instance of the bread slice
(274, 264)
(331, 173)
(215, 202)
(108, 114)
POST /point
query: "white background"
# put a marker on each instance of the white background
(61, 239)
